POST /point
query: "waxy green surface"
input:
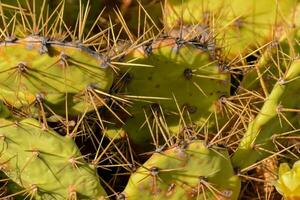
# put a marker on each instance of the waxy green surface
(190, 172)
(45, 164)
(177, 82)
(60, 74)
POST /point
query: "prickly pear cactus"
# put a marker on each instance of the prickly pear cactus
(187, 171)
(45, 164)
(173, 96)
(241, 27)
(36, 70)
(176, 81)
(275, 79)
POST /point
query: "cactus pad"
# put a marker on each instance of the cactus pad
(178, 79)
(191, 171)
(241, 26)
(35, 69)
(46, 164)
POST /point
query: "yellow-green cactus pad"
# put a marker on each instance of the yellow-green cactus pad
(239, 26)
(47, 165)
(35, 69)
(179, 80)
(187, 172)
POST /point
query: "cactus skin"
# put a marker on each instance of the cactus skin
(177, 173)
(47, 165)
(58, 69)
(241, 26)
(288, 183)
(266, 123)
(173, 70)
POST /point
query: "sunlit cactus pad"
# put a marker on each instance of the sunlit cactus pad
(173, 80)
(242, 26)
(45, 164)
(35, 69)
(190, 171)
(149, 99)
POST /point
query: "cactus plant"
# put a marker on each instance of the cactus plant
(58, 75)
(186, 171)
(240, 26)
(212, 85)
(171, 70)
(44, 61)
(275, 77)
(45, 164)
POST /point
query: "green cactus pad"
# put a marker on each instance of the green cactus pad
(172, 77)
(191, 171)
(45, 164)
(240, 26)
(56, 73)
(270, 75)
